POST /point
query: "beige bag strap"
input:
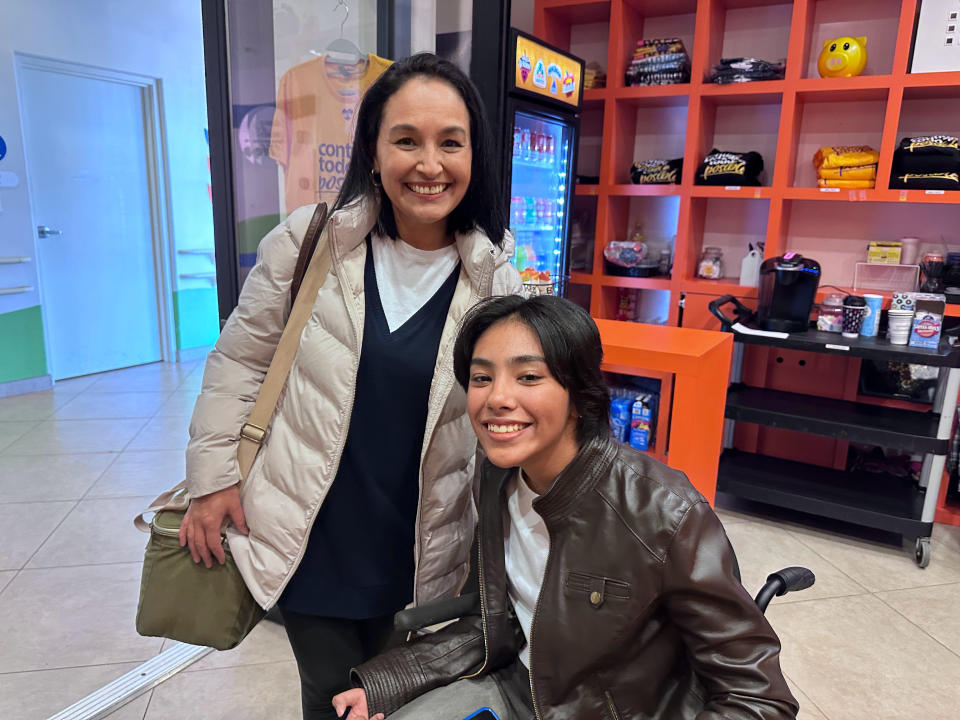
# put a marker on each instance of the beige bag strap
(254, 431)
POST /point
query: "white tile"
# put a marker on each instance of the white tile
(163, 433)
(5, 577)
(92, 405)
(251, 692)
(143, 378)
(144, 472)
(34, 478)
(193, 382)
(934, 609)
(266, 643)
(857, 659)
(76, 436)
(763, 548)
(881, 567)
(179, 403)
(96, 532)
(31, 406)
(24, 527)
(72, 616)
(808, 709)
(42, 693)
(10, 432)
(730, 517)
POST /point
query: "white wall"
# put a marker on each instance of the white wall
(161, 40)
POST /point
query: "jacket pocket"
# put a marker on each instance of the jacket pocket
(596, 589)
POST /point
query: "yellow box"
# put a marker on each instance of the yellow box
(884, 253)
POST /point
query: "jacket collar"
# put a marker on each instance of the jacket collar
(592, 462)
(357, 219)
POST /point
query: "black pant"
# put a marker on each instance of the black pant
(326, 648)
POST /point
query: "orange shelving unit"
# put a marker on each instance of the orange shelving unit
(785, 120)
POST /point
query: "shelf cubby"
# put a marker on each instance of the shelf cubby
(739, 123)
(744, 28)
(657, 128)
(731, 225)
(645, 19)
(567, 24)
(877, 20)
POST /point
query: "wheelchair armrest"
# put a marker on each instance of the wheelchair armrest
(417, 618)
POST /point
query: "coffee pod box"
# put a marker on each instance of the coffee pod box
(928, 320)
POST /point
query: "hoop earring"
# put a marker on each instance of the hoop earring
(376, 178)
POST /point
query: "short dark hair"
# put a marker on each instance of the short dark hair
(571, 347)
(482, 206)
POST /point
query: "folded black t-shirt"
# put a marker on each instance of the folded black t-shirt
(721, 167)
(656, 172)
(929, 162)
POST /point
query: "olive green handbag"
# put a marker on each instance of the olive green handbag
(183, 600)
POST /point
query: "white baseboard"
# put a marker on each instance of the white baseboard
(28, 385)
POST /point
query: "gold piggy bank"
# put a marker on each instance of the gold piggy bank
(843, 57)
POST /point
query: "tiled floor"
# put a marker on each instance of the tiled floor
(875, 639)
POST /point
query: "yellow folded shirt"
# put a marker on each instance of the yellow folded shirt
(836, 156)
(863, 172)
(848, 184)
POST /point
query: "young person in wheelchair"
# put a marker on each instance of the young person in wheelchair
(608, 587)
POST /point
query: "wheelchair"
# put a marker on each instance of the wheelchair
(789, 579)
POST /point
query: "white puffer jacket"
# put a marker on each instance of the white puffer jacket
(299, 459)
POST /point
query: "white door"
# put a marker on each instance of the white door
(86, 150)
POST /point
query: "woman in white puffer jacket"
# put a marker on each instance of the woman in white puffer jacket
(360, 499)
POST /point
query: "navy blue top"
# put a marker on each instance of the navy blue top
(359, 560)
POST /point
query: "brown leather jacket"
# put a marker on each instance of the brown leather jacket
(640, 614)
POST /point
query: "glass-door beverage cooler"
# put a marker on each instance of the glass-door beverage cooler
(542, 113)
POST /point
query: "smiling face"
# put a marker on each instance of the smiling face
(521, 414)
(424, 157)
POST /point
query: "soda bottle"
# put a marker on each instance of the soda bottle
(542, 146)
(531, 211)
(551, 147)
(517, 141)
(525, 140)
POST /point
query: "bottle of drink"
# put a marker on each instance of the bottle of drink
(551, 147)
(525, 139)
(542, 156)
(530, 210)
(517, 141)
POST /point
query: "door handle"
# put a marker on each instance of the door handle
(43, 231)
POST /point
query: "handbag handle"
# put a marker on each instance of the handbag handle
(304, 294)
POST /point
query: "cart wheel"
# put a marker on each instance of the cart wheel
(923, 552)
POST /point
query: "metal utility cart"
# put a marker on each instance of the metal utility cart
(874, 500)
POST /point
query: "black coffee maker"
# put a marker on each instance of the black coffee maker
(788, 288)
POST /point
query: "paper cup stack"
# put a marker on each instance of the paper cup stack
(899, 323)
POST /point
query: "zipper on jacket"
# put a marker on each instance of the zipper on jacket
(610, 706)
(486, 278)
(483, 609)
(533, 625)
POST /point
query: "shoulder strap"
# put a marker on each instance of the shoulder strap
(307, 248)
(254, 430)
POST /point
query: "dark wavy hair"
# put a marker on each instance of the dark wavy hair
(571, 347)
(482, 206)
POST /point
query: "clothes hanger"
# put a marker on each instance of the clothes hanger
(342, 52)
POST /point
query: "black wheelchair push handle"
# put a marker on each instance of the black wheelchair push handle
(743, 314)
(783, 581)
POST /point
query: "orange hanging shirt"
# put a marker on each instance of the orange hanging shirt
(313, 128)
